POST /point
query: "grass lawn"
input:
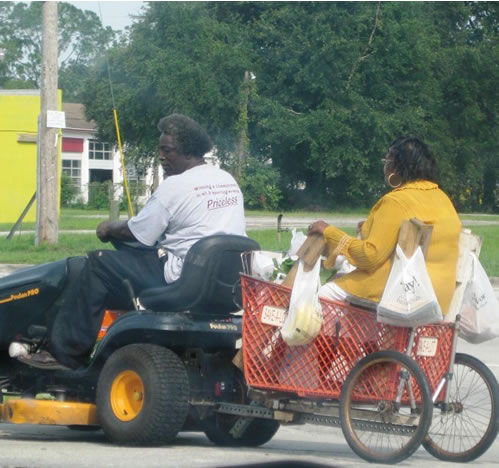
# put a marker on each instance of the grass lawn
(21, 249)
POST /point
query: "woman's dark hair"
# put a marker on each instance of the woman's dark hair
(189, 137)
(412, 159)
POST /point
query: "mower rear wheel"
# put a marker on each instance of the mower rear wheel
(217, 427)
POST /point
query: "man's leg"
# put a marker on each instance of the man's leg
(74, 330)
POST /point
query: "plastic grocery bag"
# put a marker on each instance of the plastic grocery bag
(297, 240)
(304, 320)
(263, 264)
(408, 299)
(480, 307)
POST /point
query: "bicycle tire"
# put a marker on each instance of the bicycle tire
(374, 375)
(473, 406)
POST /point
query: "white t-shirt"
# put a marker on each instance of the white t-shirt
(200, 202)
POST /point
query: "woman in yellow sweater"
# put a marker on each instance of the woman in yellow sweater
(410, 170)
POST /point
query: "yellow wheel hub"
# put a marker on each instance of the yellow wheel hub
(127, 395)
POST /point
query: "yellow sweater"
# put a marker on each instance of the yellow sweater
(372, 254)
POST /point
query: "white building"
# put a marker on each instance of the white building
(85, 159)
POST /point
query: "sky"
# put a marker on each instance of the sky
(114, 14)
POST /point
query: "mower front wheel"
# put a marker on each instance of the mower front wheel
(142, 395)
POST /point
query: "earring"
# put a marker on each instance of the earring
(393, 184)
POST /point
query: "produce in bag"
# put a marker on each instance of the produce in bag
(304, 320)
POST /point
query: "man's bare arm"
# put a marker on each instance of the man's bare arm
(118, 230)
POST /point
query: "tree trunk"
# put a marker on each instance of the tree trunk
(242, 149)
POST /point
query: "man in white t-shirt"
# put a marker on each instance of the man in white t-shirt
(194, 201)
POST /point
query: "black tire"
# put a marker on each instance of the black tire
(142, 395)
(469, 428)
(379, 437)
(217, 426)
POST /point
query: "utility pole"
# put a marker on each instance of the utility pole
(47, 223)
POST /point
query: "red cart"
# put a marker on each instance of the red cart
(389, 388)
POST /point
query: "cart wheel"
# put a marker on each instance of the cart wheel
(378, 426)
(466, 429)
(142, 395)
(218, 426)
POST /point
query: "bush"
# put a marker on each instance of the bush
(98, 195)
(260, 185)
(69, 191)
(137, 190)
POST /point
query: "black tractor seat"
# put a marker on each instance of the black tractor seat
(209, 282)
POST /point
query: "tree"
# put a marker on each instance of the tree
(468, 75)
(82, 38)
(178, 59)
(334, 83)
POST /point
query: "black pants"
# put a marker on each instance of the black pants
(73, 332)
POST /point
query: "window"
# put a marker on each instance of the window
(99, 150)
(72, 145)
(71, 167)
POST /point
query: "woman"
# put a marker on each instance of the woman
(410, 170)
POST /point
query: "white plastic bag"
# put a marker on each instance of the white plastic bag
(480, 307)
(297, 240)
(264, 263)
(342, 266)
(408, 299)
(304, 319)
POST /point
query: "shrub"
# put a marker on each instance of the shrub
(98, 195)
(260, 185)
(69, 191)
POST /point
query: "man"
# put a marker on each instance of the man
(194, 201)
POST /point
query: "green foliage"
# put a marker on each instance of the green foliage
(260, 185)
(99, 194)
(136, 189)
(82, 39)
(335, 83)
(178, 59)
(69, 191)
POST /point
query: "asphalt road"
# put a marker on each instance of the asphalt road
(58, 447)
(24, 446)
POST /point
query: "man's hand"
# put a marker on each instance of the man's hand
(108, 230)
(103, 231)
(317, 227)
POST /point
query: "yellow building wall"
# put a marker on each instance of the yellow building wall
(19, 112)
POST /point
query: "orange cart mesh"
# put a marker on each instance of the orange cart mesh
(320, 368)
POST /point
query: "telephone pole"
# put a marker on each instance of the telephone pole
(47, 223)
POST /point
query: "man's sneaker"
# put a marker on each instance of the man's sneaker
(17, 349)
(42, 360)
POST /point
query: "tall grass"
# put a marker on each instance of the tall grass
(21, 248)
(489, 255)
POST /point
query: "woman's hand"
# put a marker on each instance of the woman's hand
(317, 227)
(359, 226)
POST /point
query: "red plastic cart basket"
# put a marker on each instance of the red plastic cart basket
(347, 335)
